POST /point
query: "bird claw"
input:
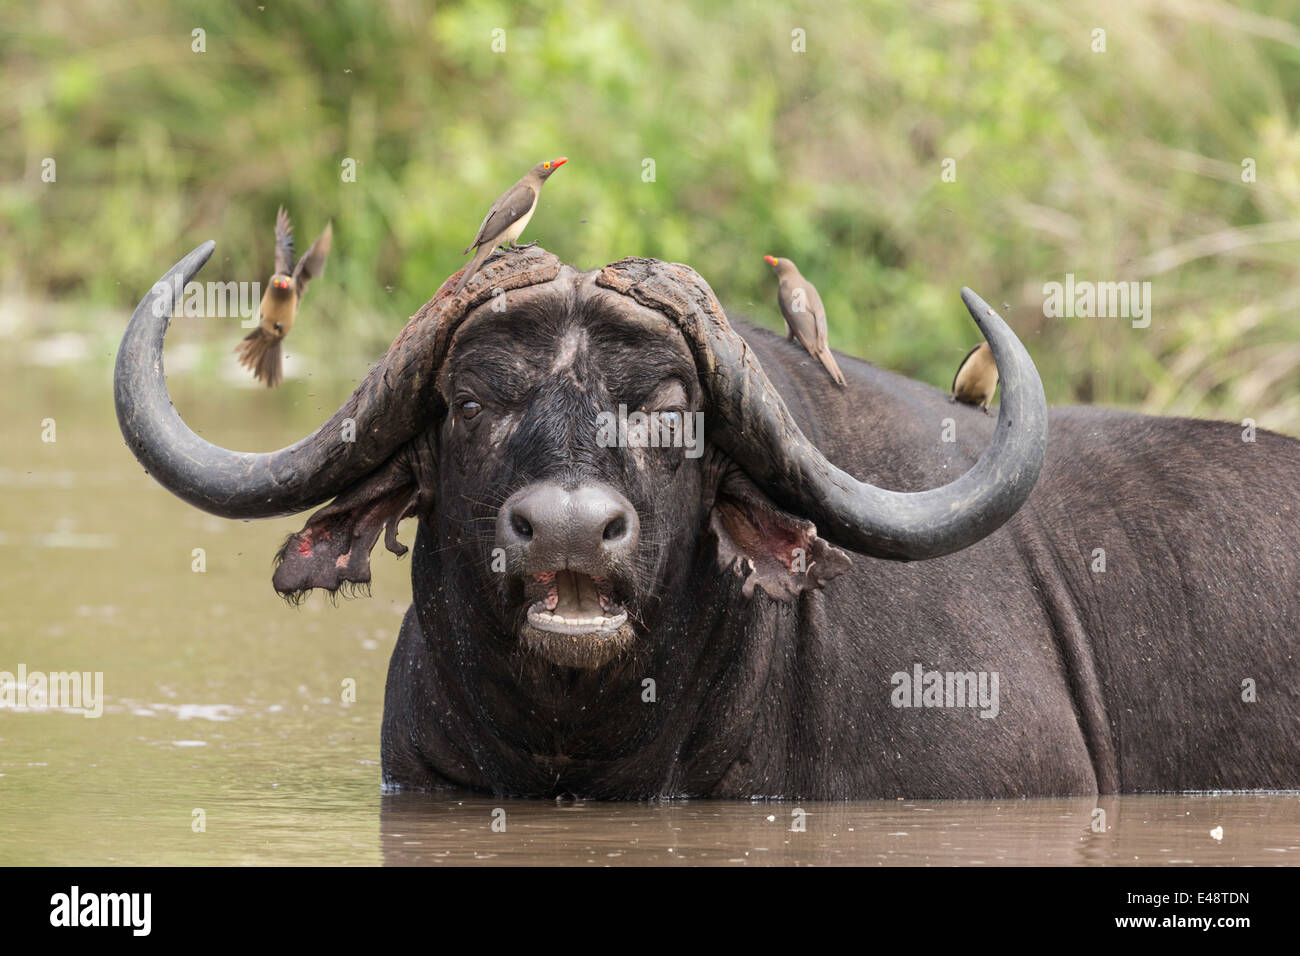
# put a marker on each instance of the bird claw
(525, 245)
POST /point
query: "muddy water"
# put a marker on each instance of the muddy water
(227, 735)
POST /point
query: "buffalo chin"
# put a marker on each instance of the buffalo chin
(582, 646)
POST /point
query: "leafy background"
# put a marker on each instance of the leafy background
(1116, 165)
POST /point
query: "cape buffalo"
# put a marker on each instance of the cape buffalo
(1114, 611)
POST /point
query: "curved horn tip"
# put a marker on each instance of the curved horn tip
(198, 256)
(977, 307)
(161, 296)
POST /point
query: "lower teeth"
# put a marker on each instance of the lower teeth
(541, 616)
(575, 600)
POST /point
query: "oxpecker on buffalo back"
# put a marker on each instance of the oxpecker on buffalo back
(977, 377)
(804, 314)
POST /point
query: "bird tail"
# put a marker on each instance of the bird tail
(259, 352)
(475, 264)
(828, 360)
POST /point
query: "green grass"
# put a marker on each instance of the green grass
(1112, 166)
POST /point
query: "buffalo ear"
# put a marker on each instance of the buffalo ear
(333, 550)
(771, 548)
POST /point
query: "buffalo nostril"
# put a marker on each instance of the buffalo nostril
(519, 524)
(547, 527)
(616, 529)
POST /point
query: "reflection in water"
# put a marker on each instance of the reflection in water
(1141, 830)
(226, 739)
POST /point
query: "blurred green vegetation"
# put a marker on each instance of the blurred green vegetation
(1116, 165)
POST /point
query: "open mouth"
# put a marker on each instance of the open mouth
(575, 603)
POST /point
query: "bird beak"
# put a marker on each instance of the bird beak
(770, 260)
(559, 162)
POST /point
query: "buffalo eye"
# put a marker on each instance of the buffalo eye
(672, 420)
(469, 408)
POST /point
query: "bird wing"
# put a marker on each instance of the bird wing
(510, 208)
(819, 316)
(283, 243)
(312, 263)
(802, 323)
(957, 374)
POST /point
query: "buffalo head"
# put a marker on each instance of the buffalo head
(570, 441)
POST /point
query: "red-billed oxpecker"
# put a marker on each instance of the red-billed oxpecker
(259, 352)
(977, 377)
(505, 221)
(804, 314)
